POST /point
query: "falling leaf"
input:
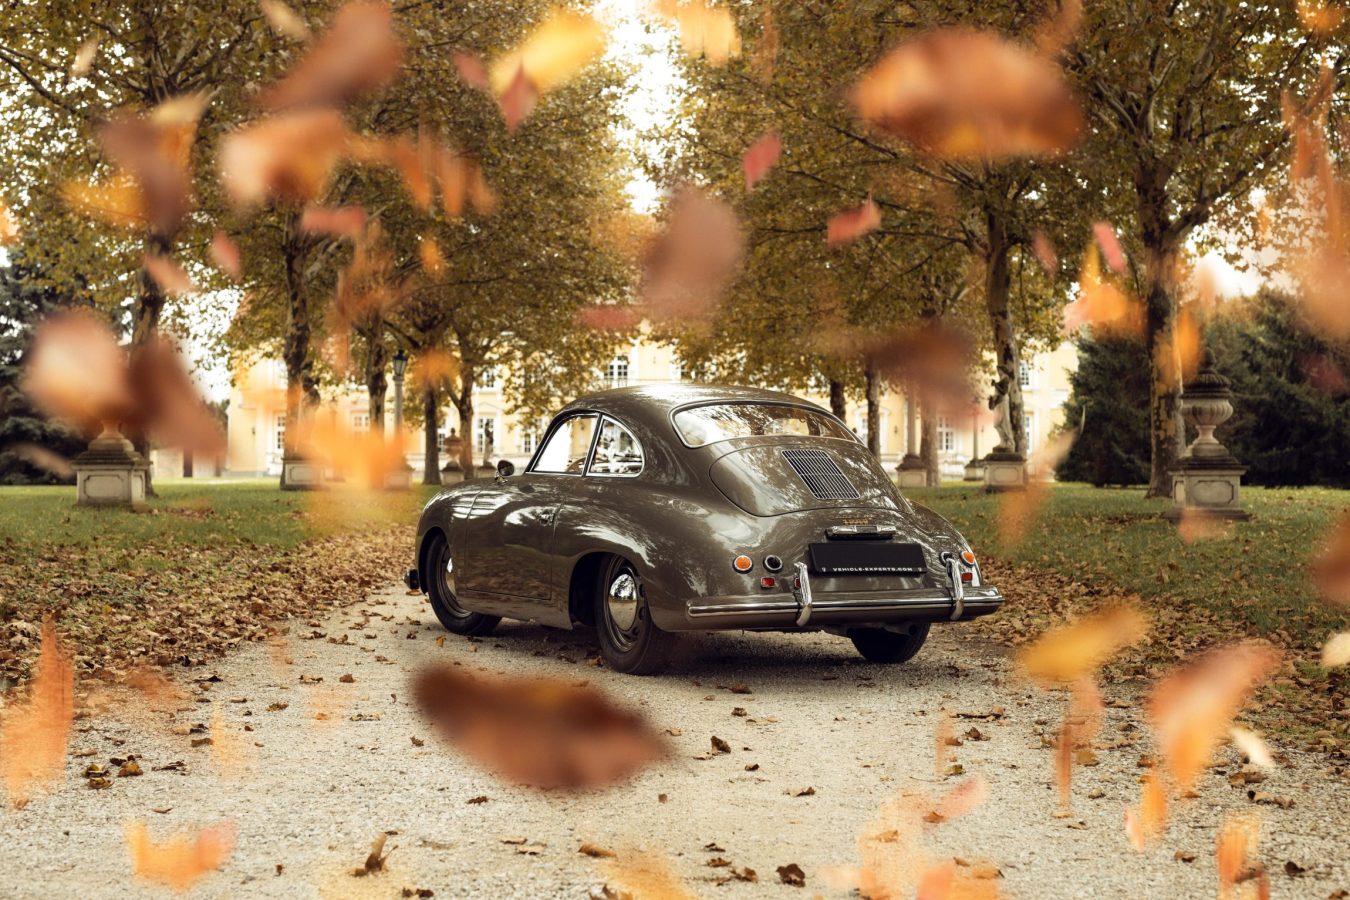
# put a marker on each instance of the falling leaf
(707, 31)
(1102, 304)
(852, 224)
(1146, 823)
(158, 691)
(646, 876)
(1058, 32)
(338, 221)
(9, 227)
(471, 69)
(284, 20)
(1250, 744)
(45, 459)
(962, 799)
(231, 756)
(609, 317)
(77, 371)
(117, 202)
(286, 158)
(595, 851)
(1018, 510)
(1331, 567)
(970, 95)
(563, 44)
(1191, 708)
(225, 254)
(1106, 238)
(540, 732)
(376, 858)
(759, 158)
(944, 741)
(358, 53)
(1064, 763)
(84, 58)
(34, 731)
(693, 260)
(1045, 252)
(180, 861)
(1070, 652)
(1336, 651)
(1234, 848)
(1320, 17)
(168, 274)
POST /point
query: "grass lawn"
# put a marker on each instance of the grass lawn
(204, 567)
(1250, 581)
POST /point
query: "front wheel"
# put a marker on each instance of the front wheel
(629, 641)
(882, 646)
(443, 602)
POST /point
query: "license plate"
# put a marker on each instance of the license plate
(866, 558)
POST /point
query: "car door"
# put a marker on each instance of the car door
(508, 567)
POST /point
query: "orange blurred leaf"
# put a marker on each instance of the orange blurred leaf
(705, 30)
(1191, 708)
(965, 94)
(1106, 238)
(168, 274)
(648, 876)
(471, 69)
(1070, 652)
(84, 58)
(1018, 510)
(1045, 252)
(117, 202)
(284, 20)
(1331, 566)
(225, 254)
(691, 262)
(963, 798)
(181, 861)
(357, 54)
(554, 53)
(34, 731)
(1336, 651)
(338, 221)
(1101, 303)
(759, 158)
(1147, 822)
(287, 158)
(77, 371)
(540, 732)
(1233, 851)
(9, 227)
(852, 224)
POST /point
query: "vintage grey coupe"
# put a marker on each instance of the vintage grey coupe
(652, 510)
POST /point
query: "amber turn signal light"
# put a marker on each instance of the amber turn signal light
(742, 563)
(969, 557)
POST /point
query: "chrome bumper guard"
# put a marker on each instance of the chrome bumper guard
(958, 587)
(801, 590)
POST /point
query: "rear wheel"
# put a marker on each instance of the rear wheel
(629, 641)
(443, 602)
(882, 646)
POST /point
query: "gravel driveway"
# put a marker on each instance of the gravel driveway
(307, 796)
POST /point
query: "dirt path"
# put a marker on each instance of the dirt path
(310, 797)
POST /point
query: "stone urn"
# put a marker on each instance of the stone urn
(110, 472)
(1207, 478)
(911, 471)
(1005, 470)
(452, 471)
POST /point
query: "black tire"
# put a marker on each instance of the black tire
(881, 646)
(637, 647)
(443, 603)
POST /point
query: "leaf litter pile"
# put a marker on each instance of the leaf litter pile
(955, 94)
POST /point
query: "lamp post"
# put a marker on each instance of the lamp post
(400, 476)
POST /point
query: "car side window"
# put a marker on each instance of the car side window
(567, 447)
(617, 452)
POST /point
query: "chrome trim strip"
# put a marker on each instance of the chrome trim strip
(778, 607)
(804, 598)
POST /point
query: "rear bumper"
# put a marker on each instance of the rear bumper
(839, 608)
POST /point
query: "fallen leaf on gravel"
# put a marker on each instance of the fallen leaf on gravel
(740, 687)
(718, 862)
(347, 679)
(129, 769)
(720, 745)
(792, 874)
(955, 769)
(803, 792)
(34, 732)
(99, 783)
(376, 858)
(181, 860)
(1074, 651)
(594, 851)
(540, 732)
(1191, 708)
(1293, 869)
(647, 876)
(481, 798)
(1184, 856)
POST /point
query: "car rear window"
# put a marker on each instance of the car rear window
(701, 425)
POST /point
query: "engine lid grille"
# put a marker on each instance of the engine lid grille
(821, 475)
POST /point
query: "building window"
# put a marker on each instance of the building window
(677, 371)
(281, 432)
(529, 439)
(483, 433)
(1029, 430)
(1025, 375)
(488, 380)
(946, 435)
(616, 375)
(360, 421)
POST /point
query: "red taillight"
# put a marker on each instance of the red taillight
(967, 577)
(796, 584)
(768, 582)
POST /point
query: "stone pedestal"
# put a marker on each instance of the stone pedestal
(911, 472)
(300, 474)
(974, 470)
(110, 472)
(452, 472)
(1005, 470)
(398, 478)
(1207, 479)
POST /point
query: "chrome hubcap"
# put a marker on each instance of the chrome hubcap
(622, 601)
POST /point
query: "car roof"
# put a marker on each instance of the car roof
(654, 402)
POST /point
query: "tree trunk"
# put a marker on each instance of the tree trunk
(377, 359)
(1007, 394)
(928, 449)
(465, 407)
(145, 315)
(431, 462)
(873, 384)
(838, 402)
(301, 385)
(1161, 244)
